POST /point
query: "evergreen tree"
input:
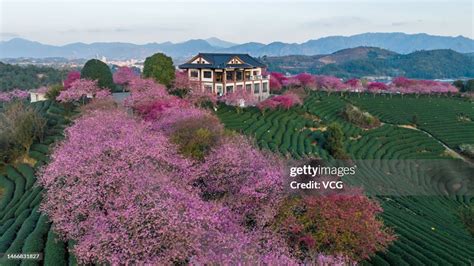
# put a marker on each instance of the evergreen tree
(97, 70)
(159, 67)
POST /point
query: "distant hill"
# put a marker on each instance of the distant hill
(397, 42)
(28, 77)
(370, 61)
(216, 42)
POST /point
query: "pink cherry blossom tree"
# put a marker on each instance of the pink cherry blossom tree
(124, 75)
(71, 77)
(144, 93)
(306, 80)
(376, 87)
(411, 86)
(120, 190)
(243, 178)
(291, 82)
(201, 98)
(240, 98)
(81, 89)
(276, 80)
(330, 84)
(15, 94)
(286, 101)
(182, 85)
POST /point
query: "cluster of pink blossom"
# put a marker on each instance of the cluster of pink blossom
(404, 85)
(276, 81)
(150, 99)
(306, 80)
(124, 75)
(182, 82)
(169, 117)
(15, 94)
(291, 82)
(285, 101)
(239, 98)
(144, 93)
(117, 188)
(376, 87)
(199, 97)
(246, 179)
(80, 89)
(71, 77)
(331, 83)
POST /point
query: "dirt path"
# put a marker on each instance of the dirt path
(451, 151)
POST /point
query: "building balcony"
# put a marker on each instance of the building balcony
(259, 77)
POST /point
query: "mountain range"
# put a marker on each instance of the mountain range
(373, 61)
(397, 42)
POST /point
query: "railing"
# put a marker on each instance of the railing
(259, 77)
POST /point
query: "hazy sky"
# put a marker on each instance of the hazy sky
(66, 21)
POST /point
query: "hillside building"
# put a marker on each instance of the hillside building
(225, 73)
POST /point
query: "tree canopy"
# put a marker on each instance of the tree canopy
(159, 67)
(97, 70)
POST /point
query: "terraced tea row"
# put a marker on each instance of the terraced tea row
(448, 119)
(286, 132)
(424, 215)
(23, 229)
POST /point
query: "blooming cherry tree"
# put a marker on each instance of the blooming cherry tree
(80, 89)
(124, 75)
(240, 98)
(71, 77)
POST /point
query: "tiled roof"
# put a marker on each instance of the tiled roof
(220, 61)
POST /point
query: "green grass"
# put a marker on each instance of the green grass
(428, 226)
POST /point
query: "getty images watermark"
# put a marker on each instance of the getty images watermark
(318, 177)
(430, 177)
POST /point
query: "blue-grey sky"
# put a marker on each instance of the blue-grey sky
(66, 21)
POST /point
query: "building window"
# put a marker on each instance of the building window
(265, 87)
(256, 88)
(194, 74)
(238, 75)
(207, 74)
(218, 76)
(248, 87)
(230, 75)
(219, 90)
(255, 73)
(247, 75)
(229, 89)
(239, 87)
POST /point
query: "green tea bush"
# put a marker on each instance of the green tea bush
(8, 191)
(467, 217)
(35, 242)
(41, 147)
(55, 251)
(38, 156)
(19, 184)
(26, 200)
(26, 228)
(9, 236)
(358, 117)
(28, 173)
